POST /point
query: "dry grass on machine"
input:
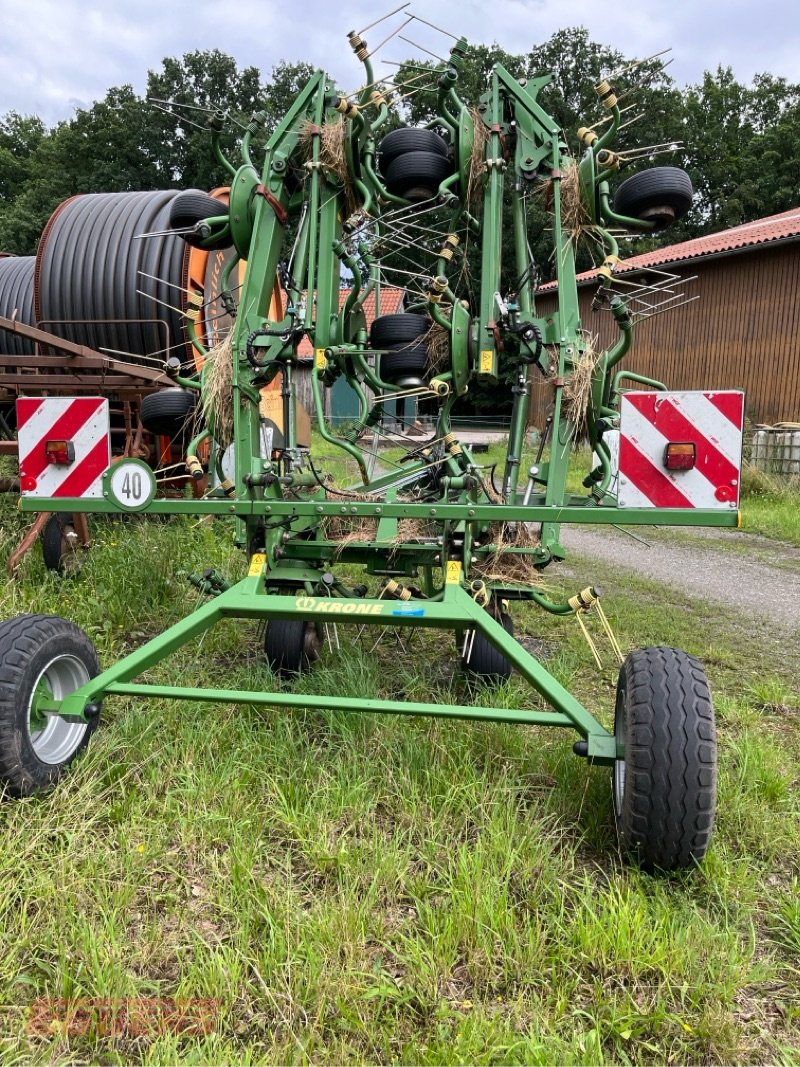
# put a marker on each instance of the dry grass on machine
(217, 394)
(437, 340)
(578, 384)
(332, 156)
(477, 162)
(504, 565)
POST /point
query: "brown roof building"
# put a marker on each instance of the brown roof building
(740, 330)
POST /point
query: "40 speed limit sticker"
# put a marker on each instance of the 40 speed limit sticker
(130, 484)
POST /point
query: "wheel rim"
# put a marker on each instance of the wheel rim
(619, 784)
(52, 738)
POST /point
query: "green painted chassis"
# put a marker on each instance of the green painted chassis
(282, 530)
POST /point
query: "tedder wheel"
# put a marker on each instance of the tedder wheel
(410, 139)
(192, 206)
(60, 546)
(291, 646)
(168, 412)
(388, 330)
(482, 660)
(660, 195)
(42, 658)
(665, 785)
(417, 175)
(404, 362)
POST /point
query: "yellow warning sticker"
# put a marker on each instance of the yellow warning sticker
(454, 569)
(257, 562)
(320, 359)
(486, 365)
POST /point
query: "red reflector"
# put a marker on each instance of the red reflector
(59, 453)
(680, 455)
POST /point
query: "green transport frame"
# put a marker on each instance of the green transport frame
(438, 543)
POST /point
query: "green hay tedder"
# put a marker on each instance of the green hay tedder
(439, 543)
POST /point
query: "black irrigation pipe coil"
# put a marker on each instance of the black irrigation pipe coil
(16, 295)
(94, 264)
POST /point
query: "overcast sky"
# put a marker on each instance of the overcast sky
(56, 56)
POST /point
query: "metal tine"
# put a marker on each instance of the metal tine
(163, 281)
(163, 303)
(383, 18)
(637, 63)
(394, 33)
(630, 122)
(181, 118)
(670, 293)
(136, 355)
(162, 233)
(433, 26)
(384, 82)
(672, 307)
(648, 150)
(608, 118)
(409, 66)
(178, 103)
(427, 51)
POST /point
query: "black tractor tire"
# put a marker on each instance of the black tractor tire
(61, 551)
(169, 412)
(482, 660)
(410, 139)
(389, 330)
(291, 646)
(665, 784)
(404, 361)
(40, 652)
(661, 195)
(192, 206)
(417, 176)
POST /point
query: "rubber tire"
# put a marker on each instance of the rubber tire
(389, 330)
(417, 175)
(665, 799)
(192, 206)
(402, 361)
(28, 644)
(657, 187)
(168, 412)
(410, 139)
(291, 646)
(55, 546)
(485, 663)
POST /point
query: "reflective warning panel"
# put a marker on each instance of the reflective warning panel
(681, 450)
(64, 446)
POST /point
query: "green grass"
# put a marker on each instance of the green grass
(380, 889)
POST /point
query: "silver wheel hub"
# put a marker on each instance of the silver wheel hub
(53, 739)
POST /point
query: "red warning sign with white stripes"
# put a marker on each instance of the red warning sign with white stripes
(681, 449)
(64, 446)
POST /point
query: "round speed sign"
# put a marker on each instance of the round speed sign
(131, 484)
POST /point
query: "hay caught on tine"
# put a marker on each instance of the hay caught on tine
(332, 156)
(217, 393)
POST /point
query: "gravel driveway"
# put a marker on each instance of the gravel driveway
(756, 575)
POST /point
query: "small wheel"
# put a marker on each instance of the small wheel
(61, 548)
(665, 784)
(42, 658)
(169, 412)
(660, 195)
(417, 175)
(388, 330)
(410, 139)
(291, 646)
(404, 362)
(192, 206)
(482, 660)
